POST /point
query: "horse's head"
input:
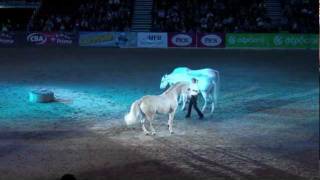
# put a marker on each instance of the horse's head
(164, 81)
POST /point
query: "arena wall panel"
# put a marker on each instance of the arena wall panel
(98, 39)
(272, 40)
(51, 39)
(182, 40)
(152, 40)
(210, 40)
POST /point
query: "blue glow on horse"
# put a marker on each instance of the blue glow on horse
(208, 82)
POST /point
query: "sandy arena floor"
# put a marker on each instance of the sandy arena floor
(266, 125)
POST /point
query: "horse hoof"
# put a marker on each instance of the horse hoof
(171, 132)
(153, 133)
(146, 133)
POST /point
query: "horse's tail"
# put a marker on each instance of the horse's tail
(134, 113)
(216, 87)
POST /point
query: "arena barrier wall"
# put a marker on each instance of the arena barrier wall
(152, 40)
(161, 40)
(182, 40)
(98, 39)
(272, 40)
(210, 40)
(126, 39)
(108, 39)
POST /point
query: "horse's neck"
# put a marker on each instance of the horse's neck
(171, 94)
(172, 91)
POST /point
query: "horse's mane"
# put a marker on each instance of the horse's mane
(178, 84)
(171, 87)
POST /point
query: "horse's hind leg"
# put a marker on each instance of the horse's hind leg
(146, 132)
(170, 121)
(212, 107)
(153, 131)
(150, 119)
(213, 99)
(205, 97)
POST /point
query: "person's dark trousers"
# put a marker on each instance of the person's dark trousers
(193, 102)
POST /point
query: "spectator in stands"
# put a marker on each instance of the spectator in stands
(110, 15)
(211, 16)
(6, 26)
(299, 16)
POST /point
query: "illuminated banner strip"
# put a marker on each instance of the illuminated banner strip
(281, 40)
(152, 40)
(52, 38)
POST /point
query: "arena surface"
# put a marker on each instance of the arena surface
(266, 125)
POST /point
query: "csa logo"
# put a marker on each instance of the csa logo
(37, 38)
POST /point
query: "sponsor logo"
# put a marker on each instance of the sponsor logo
(96, 38)
(37, 38)
(211, 40)
(232, 39)
(278, 40)
(62, 38)
(6, 38)
(154, 37)
(292, 41)
(297, 41)
(152, 40)
(251, 40)
(181, 40)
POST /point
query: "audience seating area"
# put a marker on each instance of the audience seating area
(297, 16)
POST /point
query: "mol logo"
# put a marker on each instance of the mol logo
(154, 37)
(181, 40)
(37, 38)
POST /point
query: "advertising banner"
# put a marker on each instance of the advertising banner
(7, 39)
(281, 40)
(52, 38)
(305, 41)
(210, 40)
(126, 39)
(181, 40)
(152, 40)
(98, 39)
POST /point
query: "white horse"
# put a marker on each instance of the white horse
(146, 107)
(208, 81)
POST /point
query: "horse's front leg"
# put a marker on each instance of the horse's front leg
(205, 97)
(212, 97)
(184, 102)
(150, 119)
(180, 100)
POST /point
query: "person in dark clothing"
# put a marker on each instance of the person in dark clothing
(194, 91)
